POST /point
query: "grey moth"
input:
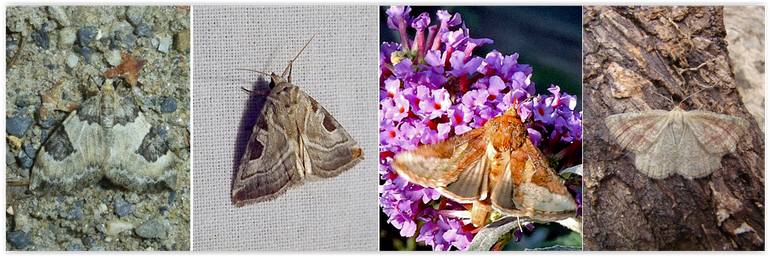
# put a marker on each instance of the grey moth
(107, 136)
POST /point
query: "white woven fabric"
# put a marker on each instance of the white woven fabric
(338, 69)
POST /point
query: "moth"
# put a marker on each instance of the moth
(495, 164)
(107, 136)
(690, 143)
(294, 138)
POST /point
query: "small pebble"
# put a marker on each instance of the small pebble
(163, 133)
(143, 30)
(182, 41)
(29, 150)
(18, 239)
(168, 105)
(114, 227)
(123, 27)
(72, 60)
(149, 229)
(26, 101)
(47, 123)
(87, 241)
(44, 135)
(171, 196)
(86, 35)
(113, 57)
(75, 213)
(14, 141)
(102, 207)
(42, 38)
(85, 51)
(22, 222)
(9, 158)
(122, 208)
(130, 39)
(58, 14)
(25, 160)
(134, 14)
(17, 126)
(67, 37)
(165, 44)
(61, 199)
(74, 247)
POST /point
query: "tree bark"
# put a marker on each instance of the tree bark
(643, 58)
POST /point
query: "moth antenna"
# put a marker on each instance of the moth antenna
(295, 58)
(685, 98)
(661, 95)
(253, 71)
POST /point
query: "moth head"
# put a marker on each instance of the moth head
(680, 105)
(275, 79)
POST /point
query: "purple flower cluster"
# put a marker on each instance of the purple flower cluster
(433, 87)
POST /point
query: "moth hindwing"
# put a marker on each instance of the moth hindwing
(495, 165)
(294, 138)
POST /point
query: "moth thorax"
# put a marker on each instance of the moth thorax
(108, 109)
(677, 115)
(498, 159)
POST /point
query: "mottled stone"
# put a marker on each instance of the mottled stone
(29, 150)
(25, 160)
(122, 208)
(59, 15)
(182, 41)
(85, 52)
(129, 39)
(123, 27)
(74, 247)
(47, 123)
(9, 158)
(75, 213)
(171, 196)
(18, 239)
(17, 126)
(143, 30)
(135, 13)
(42, 38)
(87, 35)
(168, 105)
(149, 229)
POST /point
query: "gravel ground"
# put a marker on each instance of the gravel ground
(75, 46)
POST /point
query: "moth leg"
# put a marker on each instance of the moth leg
(480, 213)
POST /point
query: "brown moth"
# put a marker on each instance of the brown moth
(690, 143)
(294, 138)
(495, 165)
